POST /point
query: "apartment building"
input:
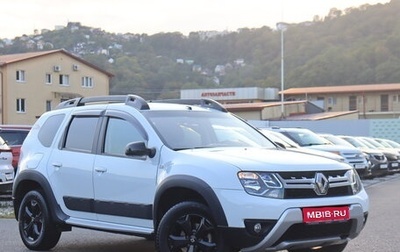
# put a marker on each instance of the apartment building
(35, 82)
(373, 101)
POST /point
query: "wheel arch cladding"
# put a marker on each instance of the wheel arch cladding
(32, 180)
(184, 183)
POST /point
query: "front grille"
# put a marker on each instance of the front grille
(303, 184)
(379, 157)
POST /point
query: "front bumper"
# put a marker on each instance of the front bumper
(6, 187)
(289, 232)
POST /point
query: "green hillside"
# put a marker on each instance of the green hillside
(353, 46)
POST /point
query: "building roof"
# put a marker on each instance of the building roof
(256, 106)
(344, 89)
(12, 58)
(321, 116)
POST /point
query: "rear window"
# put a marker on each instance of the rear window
(14, 137)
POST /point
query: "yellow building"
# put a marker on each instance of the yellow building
(32, 83)
(373, 101)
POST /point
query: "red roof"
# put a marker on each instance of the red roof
(256, 105)
(344, 89)
(12, 58)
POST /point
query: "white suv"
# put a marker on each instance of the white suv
(185, 172)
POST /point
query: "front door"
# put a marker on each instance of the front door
(124, 186)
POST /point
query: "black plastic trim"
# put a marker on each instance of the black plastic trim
(124, 209)
(34, 176)
(195, 184)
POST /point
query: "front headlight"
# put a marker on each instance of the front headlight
(355, 181)
(262, 184)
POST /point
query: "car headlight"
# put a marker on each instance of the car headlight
(262, 184)
(355, 181)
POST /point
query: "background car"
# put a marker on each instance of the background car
(6, 168)
(377, 158)
(288, 144)
(392, 156)
(14, 135)
(309, 139)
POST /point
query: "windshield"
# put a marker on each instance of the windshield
(338, 141)
(305, 137)
(202, 129)
(279, 138)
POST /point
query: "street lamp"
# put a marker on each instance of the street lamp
(282, 27)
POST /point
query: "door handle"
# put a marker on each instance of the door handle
(56, 164)
(100, 169)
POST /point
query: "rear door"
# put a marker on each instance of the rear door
(71, 166)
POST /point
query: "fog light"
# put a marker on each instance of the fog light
(257, 228)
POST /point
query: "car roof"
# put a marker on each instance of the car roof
(139, 103)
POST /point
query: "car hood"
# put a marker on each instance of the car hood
(256, 159)
(334, 148)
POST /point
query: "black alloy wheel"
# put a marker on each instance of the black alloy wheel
(188, 226)
(35, 227)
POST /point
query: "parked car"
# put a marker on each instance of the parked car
(378, 160)
(14, 135)
(309, 139)
(340, 141)
(6, 168)
(288, 144)
(185, 172)
(389, 143)
(392, 156)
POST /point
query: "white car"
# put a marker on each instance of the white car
(6, 168)
(185, 172)
(288, 144)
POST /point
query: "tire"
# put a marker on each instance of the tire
(188, 226)
(35, 226)
(333, 248)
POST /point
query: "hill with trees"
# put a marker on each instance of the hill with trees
(352, 46)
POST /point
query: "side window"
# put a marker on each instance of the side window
(118, 134)
(81, 133)
(49, 129)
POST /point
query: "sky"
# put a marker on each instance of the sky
(18, 17)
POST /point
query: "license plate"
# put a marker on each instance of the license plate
(384, 166)
(325, 214)
(357, 166)
(9, 176)
(395, 164)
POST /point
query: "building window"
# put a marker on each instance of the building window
(352, 103)
(49, 79)
(64, 79)
(20, 105)
(20, 76)
(48, 105)
(384, 102)
(332, 100)
(87, 82)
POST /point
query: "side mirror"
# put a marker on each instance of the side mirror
(139, 149)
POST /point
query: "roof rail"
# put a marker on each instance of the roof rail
(131, 100)
(206, 103)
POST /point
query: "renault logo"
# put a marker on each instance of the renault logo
(321, 184)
